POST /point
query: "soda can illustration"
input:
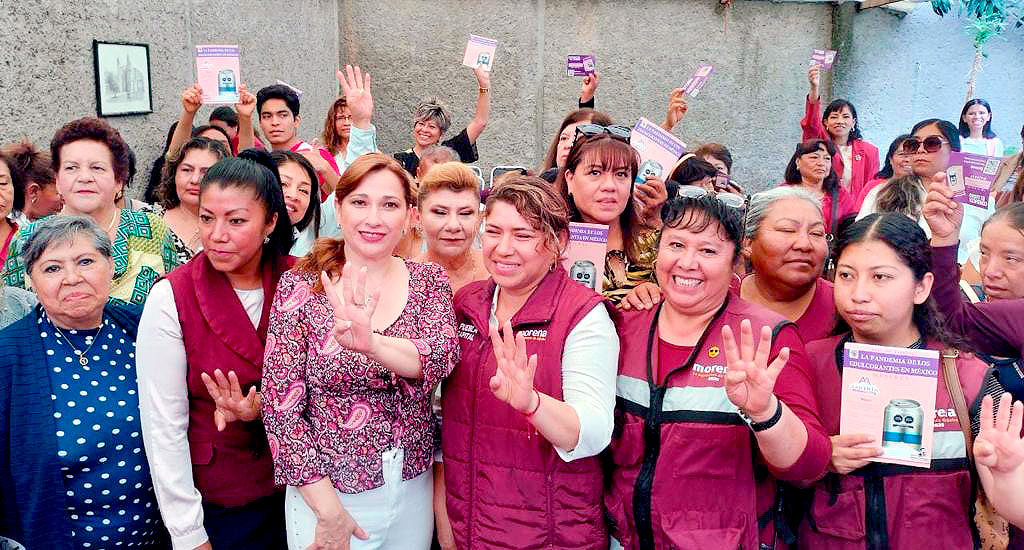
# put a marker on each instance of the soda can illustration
(226, 82)
(903, 423)
(584, 273)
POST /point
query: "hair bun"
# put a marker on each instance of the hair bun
(263, 158)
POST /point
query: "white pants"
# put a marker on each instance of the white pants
(396, 515)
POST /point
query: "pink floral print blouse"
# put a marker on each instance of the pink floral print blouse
(331, 412)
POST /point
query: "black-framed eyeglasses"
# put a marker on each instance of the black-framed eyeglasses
(590, 130)
(931, 144)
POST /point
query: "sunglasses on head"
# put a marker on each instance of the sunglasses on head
(674, 206)
(931, 144)
(591, 130)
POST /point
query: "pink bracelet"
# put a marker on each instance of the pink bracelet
(534, 411)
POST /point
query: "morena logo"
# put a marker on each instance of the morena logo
(710, 369)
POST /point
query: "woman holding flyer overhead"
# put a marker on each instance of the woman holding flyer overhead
(857, 161)
(882, 293)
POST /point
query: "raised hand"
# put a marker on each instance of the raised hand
(246, 102)
(513, 379)
(231, 404)
(943, 214)
(750, 380)
(588, 88)
(814, 80)
(849, 452)
(192, 99)
(649, 199)
(483, 77)
(353, 308)
(677, 107)
(999, 446)
(355, 85)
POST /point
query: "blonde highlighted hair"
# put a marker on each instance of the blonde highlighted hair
(451, 176)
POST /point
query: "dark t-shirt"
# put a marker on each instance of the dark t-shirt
(460, 143)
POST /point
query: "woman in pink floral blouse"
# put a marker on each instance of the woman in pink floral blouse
(358, 340)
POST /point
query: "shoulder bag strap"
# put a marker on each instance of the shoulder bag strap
(956, 393)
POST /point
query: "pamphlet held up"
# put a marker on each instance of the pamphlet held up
(480, 51)
(698, 80)
(823, 58)
(584, 257)
(579, 65)
(971, 177)
(218, 73)
(658, 149)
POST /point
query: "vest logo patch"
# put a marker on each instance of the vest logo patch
(467, 331)
(538, 334)
(713, 352)
(711, 373)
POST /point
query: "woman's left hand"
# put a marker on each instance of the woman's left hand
(750, 380)
(999, 446)
(483, 77)
(231, 404)
(650, 196)
(513, 379)
(353, 309)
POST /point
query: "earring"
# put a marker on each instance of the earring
(34, 199)
(266, 240)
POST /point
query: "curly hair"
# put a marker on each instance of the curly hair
(94, 129)
(167, 192)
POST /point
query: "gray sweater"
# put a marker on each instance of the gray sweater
(15, 303)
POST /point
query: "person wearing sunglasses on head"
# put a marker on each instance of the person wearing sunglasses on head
(856, 160)
(706, 421)
(558, 151)
(597, 183)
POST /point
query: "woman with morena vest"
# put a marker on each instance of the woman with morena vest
(206, 445)
(882, 293)
(698, 415)
(529, 406)
(358, 341)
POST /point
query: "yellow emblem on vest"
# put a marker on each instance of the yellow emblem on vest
(713, 352)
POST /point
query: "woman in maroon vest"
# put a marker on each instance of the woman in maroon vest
(882, 294)
(526, 411)
(208, 453)
(703, 429)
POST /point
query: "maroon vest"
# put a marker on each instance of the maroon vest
(233, 467)
(506, 485)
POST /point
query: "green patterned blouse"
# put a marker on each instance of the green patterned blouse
(143, 252)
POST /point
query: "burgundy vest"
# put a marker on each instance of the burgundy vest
(888, 506)
(506, 485)
(683, 473)
(233, 467)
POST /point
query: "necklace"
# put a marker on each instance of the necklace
(82, 359)
(114, 220)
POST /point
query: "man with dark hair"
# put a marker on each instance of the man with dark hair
(225, 118)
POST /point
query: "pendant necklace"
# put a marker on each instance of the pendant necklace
(82, 359)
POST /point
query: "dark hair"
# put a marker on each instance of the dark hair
(198, 130)
(278, 91)
(225, 114)
(693, 170)
(609, 152)
(17, 181)
(156, 171)
(698, 213)
(903, 195)
(1012, 214)
(831, 182)
(33, 165)
(894, 147)
(312, 214)
(254, 170)
(330, 136)
(131, 170)
(167, 192)
(965, 130)
(580, 115)
(837, 105)
(717, 151)
(94, 129)
(945, 127)
(906, 238)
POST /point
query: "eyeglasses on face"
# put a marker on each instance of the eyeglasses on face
(931, 144)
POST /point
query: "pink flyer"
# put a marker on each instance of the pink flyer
(480, 51)
(698, 80)
(658, 149)
(823, 58)
(889, 394)
(971, 177)
(217, 72)
(579, 65)
(584, 257)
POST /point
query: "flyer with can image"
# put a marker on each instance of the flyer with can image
(823, 58)
(971, 177)
(480, 52)
(580, 65)
(658, 149)
(585, 254)
(889, 394)
(218, 73)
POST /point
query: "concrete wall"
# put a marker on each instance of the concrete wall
(46, 52)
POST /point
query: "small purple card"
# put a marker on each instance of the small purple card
(698, 80)
(579, 65)
(971, 177)
(823, 58)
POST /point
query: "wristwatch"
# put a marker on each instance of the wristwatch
(767, 424)
(484, 90)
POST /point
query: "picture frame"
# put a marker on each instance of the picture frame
(123, 84)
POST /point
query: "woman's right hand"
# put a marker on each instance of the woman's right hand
(999, 446)
(355, 85)
(943, 214)
(336, 532)
(814, 80)
(192, 99)
(848, 454)
(677, 107)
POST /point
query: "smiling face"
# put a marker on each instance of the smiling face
(450, 221)
(790, 247)
(902, 163)
(600, 192)
(976, 117)
(925, 164)
(514, 251)
(232, 226)
(1002, 261)
(875, 292)
(297, 188)
(190, 172)
(840, 123)
(815, 166)
(277, 123)
(374, 216)
(72, 280)
(426, 132)
(694, 268)
(6, 191)
(85, 177)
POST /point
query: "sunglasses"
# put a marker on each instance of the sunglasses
(931, 144)
(590, 130)
(686, 193)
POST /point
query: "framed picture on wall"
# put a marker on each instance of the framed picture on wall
(122, 78)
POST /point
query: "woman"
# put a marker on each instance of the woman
(12, 199)
(1009, 184)
(301, 197)
(999, 451)
(976, 130)
(718, 155)
(431, 120)
(903, 195)
(811, 167)
(521, 435)
(597, 184)
(40, 181)
(345, 140)
(92, 164)
(691, 170)
(179, 193)
(73, 473)
(156, 170)
(882, 296)
(855, 161)
(208, 452)
(558, 151)
(785, 242)
(449, 211)
(691, 420)
(351, 431)
(213, 133)
(898, 163)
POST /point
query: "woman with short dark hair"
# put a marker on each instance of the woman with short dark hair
(811, 167)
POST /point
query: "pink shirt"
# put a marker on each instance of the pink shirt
(302, 147)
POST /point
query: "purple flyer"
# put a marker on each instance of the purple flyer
(971, 177)
(698, 80)
(579, 65)
(824, 58)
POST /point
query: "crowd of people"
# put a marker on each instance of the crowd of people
(317, 345)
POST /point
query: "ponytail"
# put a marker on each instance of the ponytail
(327, 255)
